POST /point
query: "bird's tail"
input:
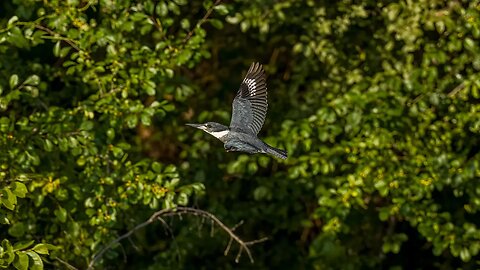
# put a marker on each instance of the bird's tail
(279, 153)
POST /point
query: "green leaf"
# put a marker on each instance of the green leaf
(181, 2)
(470, 44)
(21, 261)
(182, 199)
(37, 260)
(150, 90)
(4, 124)
(221, 9)
(17, 229)
(117, 152)
(12, 20)
(22, 245)
(86, 125)
(131, 120)
(32, 89)
(56, 49)
(111, 133)
(207, 4)
(185, 23)
(17, 38)
(150, 87)
(19, 189)
(171, 169)
(169, 72)
(465, 255)
(168, 107)
(41, 249)
(261, 193)
(233, 19)
(184, 56)
(146, 119)
(13, 81)
(32, 80)
(63, 144)
(47, 145)
(216, 23)
(81, 161)
(64, 51)
(7, 198)
(157, 167)
(384, 214)
(244, 26)
(61, 214)
(8, 255)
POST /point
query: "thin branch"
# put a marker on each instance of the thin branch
(169, 231)
(253, 242)
(179, 211)
(69, 266)
(237, 225)
(452, 93)
(166, 227)
(124, 254)
(58, 37)
(133, 244)
(417, 99)
(212, 228)
(227, 249)
(201, 21)
(457, 89)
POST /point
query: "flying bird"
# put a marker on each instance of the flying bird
(249, 109)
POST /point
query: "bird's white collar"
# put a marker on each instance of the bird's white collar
(219, 134)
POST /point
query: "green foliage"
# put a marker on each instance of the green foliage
(377, 104)
(73, 172)
(22, 255)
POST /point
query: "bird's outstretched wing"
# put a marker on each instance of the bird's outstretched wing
(249, 107)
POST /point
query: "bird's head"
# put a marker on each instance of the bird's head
(215, 129)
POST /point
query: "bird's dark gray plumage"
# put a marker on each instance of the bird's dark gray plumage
(249, 109)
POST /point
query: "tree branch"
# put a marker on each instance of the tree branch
(457, 89)
(69, 266)
(201, 21)
(58, 37)
(179, 211)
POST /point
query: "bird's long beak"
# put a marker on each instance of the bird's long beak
(199, 126)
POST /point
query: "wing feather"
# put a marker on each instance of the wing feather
(250, 104)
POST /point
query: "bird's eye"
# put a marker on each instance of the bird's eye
(208, 125)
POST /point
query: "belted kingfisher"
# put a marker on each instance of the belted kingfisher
(248, 114)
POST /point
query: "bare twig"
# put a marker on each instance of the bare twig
(452, 93)
(457, 89)
(124, 254)
(133, 244)
(212, 229)
(227, 249)
(165, 226)
(237, 225)
(168, 231)
(159, 215)
(201, 21)
(417, 99)
(69, 266)
(58, 37)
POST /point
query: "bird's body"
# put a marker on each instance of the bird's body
(249, 109)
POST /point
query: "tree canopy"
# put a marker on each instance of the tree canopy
(376, 102)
